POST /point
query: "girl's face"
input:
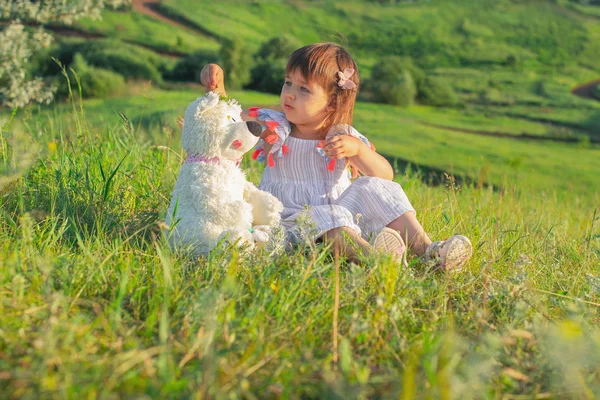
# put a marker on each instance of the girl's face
(302, 102)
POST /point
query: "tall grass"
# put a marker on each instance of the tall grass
(93, 303)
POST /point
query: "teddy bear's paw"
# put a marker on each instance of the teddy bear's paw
(261, 234)
(242, 238)
(266, 209)
(273, 204)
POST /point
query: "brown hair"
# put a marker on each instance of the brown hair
(320, 63)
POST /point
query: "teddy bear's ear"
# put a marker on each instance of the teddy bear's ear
(208, 101)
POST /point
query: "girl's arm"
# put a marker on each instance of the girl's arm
(370, 163)
(212, 78)
(367, 161)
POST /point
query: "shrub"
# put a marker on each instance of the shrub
(400, 91)
(188, 68)
(127, 65)
(390, 67)
(541, 88)
(597, 92)
(437, 92)
(493, 96)
(95, 82)
(127, 60)
(394, 80)
(511, 61)
(237, 63)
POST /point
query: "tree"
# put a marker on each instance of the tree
(18, 44)
(278, 47)
(189, 67)
(268, 73)
(237, 63)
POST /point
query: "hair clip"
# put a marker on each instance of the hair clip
(345, 82)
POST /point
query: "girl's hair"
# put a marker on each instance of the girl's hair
(320, 63)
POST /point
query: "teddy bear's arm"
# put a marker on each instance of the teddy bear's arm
(230, 219)
(266, 208)
(209, 201)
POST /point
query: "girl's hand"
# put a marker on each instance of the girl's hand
(212, 78)
(342, 146)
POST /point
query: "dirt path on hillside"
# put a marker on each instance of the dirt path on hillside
(152, 9)
(148, 7)
(586, 90)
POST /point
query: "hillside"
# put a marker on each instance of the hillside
(524, 74)
(435, 33)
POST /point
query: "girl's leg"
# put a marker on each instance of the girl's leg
(351, 244)
(449, 254)
(412, 232)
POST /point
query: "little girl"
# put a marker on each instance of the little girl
(308, 148)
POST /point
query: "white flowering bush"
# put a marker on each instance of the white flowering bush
(17, 44)
(16, 48)
(63, 11)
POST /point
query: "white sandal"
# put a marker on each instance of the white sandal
(450, 254)
(389, 241)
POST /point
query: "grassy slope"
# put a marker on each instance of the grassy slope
(400, 133)
(94, 304)
(477, 36)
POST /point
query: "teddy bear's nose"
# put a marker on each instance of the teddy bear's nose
(254, 128)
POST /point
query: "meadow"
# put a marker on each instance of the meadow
(95, 304)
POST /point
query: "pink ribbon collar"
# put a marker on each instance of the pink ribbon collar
(195, 158)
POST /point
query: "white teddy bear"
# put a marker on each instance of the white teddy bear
(212, 199)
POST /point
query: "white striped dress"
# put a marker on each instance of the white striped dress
(316, 199)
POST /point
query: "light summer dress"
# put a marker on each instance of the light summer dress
(317, 193)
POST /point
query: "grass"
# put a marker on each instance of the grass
(95, 304)
(537, 165)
